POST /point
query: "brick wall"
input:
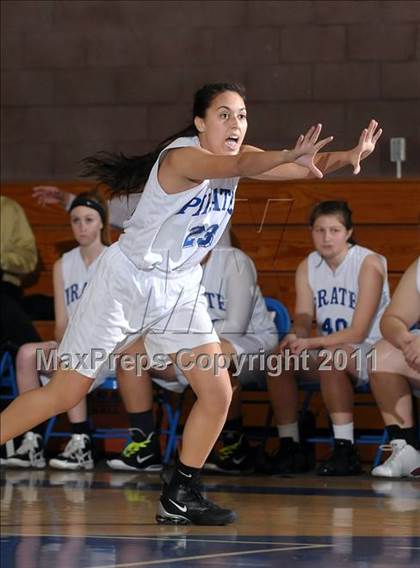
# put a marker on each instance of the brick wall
(79, 76)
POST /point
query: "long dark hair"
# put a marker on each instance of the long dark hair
(338, 208)
(128, 174)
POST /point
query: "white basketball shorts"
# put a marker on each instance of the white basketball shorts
(122, 303)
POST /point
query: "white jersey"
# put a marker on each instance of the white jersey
(336, 292)
(171, 232)
(235, 302)
(76, 276)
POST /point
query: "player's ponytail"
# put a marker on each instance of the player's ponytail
(123, 174)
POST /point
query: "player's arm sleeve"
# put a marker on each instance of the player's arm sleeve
(240, 294)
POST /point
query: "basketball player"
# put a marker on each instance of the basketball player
(88, 218)
(397, 376)
(147, 286)
(345, 285)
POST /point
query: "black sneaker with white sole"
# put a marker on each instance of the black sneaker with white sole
(30, 453)
(77, 454)
(234, 455)
(139, 456)
(185, 505)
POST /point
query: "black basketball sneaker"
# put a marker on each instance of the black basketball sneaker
(290, 457)
(233, 456)
(141, 456)
(344, 460)
(185, 505)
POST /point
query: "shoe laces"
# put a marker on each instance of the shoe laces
(228, 450)
(340, 449)
(74, 446)
(135, 447)
(393, 447)
(29, 444)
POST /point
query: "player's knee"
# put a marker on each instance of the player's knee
(25, 354)
(382, 353)
(219, 400)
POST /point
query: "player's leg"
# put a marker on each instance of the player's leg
(391, 383)
(291, 454)
(64, 391)
(208, 415)
(29, 363)
(30, 452)
(143, 451)
(338, 372)
(181, 501)
(233, 453)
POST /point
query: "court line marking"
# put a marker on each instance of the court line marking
(207, 556)
(173, 537)
(407, 547)
(163, 537)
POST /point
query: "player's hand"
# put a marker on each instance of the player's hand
(307, 147)
(286, 341)
(365, 146)
(411, 351)
(49, 195)
(300, 344)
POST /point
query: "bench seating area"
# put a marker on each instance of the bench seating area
(270, 224)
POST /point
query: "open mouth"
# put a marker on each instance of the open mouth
(232, 142)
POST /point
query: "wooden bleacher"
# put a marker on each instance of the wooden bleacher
(269, 223)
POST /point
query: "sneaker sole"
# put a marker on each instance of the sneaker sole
(55, 464)
(12, 462)
(119, 465)
(405, 476)
(165, 518)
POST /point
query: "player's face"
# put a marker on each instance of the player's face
(224, 127)
(86, 224)
(330, 236)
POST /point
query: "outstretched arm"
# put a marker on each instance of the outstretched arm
(325, 162)
(183, 168)
(52, 195)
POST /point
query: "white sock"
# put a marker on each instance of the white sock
(289, 431)
(344, 431)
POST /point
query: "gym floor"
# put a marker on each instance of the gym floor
(105, 519)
